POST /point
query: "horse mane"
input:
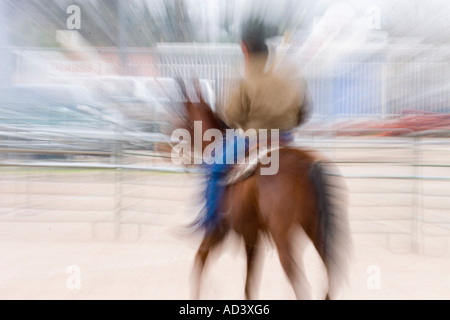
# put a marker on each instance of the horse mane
(200, 111)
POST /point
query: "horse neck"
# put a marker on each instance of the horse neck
(203, 114)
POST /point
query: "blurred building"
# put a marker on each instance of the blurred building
(362, 59)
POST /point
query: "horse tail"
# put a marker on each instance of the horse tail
(333, 235)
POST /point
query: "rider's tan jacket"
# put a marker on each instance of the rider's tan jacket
(264, 100)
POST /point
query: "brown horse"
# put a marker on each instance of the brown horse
(301, 194)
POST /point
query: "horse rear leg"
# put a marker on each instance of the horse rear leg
(251, 242)
(209, 242)
(294, 271)
(330, 231)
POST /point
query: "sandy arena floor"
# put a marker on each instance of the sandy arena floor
(57, 241)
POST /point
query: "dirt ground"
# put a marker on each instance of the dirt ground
(158, 266)
(115, 235)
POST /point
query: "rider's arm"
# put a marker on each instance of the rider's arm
(306, 109)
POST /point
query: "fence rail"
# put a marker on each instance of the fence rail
(398, 188)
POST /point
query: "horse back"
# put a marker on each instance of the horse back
(261, 201)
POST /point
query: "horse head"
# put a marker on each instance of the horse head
(199, 112)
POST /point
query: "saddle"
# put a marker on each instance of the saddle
(253, 158)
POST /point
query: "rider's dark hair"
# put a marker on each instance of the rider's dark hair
(253, 35)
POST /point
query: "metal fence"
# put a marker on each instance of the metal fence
(354, 83)
(376, 82)
(398, 189)
(398, 185)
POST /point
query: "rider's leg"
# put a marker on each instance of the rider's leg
(215, 188)
(214, 193)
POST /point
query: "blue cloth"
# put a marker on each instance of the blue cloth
(215, 188)
(216, 173)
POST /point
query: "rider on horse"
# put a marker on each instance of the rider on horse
(263, 100)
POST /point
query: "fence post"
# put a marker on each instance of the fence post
(118, 186)
(384, 90)
(417, 193)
